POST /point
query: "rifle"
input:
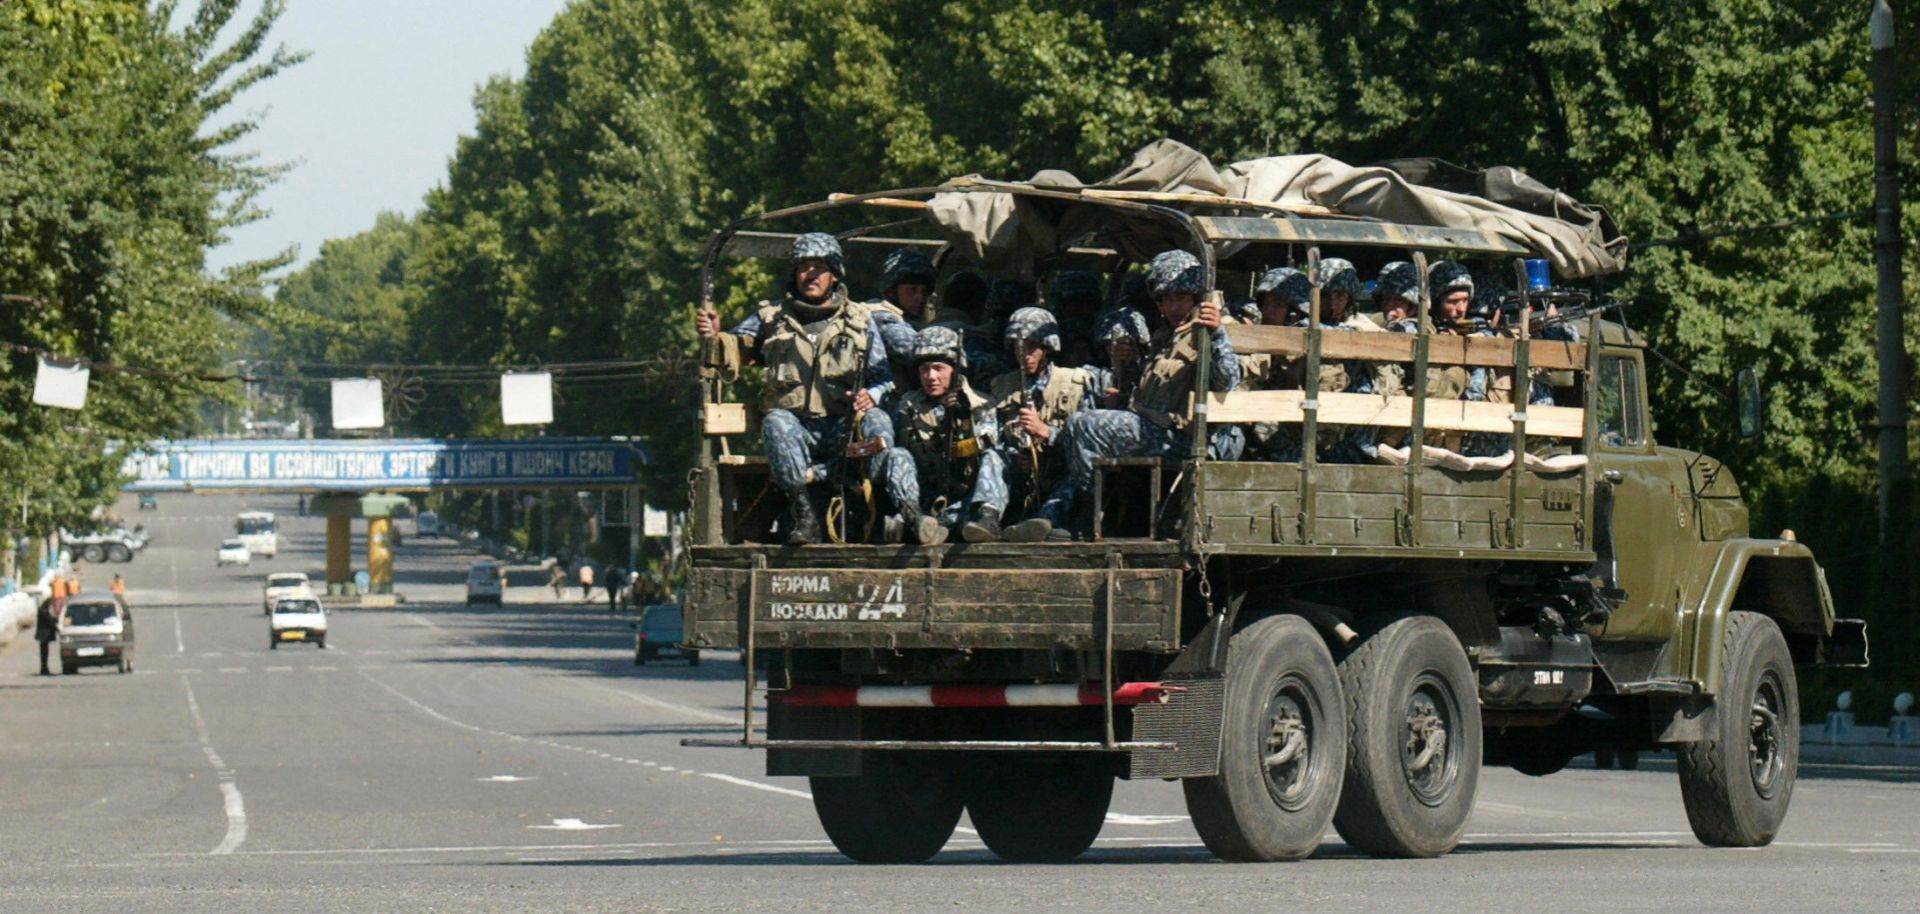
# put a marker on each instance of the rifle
(1570, 306)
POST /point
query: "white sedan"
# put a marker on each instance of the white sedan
(233, 552)
(297, 619)
(282, 584)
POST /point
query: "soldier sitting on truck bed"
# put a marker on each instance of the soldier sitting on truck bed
(946, 468)
(1490, 306)
(963, 307)
(826, 363)
(1074, 299)
(1034, 400)
(905, 306)
(1155, 424)
(1286, 291)
(1123, 339)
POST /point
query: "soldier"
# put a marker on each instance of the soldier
(1074, 299)
(964, 307)
(1491, 299)
(1397, 292)
(1034, 400)
(1452, 288)
(905, 306)
(1124, 337)
(1155, 425)
(1339, 284)
(946, 463)
(826, 368)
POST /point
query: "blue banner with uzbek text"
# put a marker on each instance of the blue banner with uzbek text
(325, 465)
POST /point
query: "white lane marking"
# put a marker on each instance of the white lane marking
(1884, 850)
(179, 638)
(279, 669)
(233, 669)
(511, 848)
(324, 669)
(743, 782)
(506, 779)
(571, 825)
(236, 808)
(1121, 818)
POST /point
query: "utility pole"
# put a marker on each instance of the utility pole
(1886, 211)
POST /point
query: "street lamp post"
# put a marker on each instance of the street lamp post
(1891, 348)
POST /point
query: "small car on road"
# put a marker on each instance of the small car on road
(426, 524)
(486, 583)
(297, 619)
(95, 630)
(283, 584)
(232, 552)
(657, 636)
(148, 502)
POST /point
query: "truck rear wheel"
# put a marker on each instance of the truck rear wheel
(1283, 745)
(1737, 783)
(901, 808)
(1042, 811)
(1414, 741)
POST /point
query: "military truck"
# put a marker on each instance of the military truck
(1297, 643)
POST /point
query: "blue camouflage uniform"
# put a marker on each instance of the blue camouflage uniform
(953, 472)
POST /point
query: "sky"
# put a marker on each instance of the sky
(370, 119)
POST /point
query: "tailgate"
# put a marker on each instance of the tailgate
(903, 608)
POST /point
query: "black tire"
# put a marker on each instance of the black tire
(1414, 741)
(117, 552)
(1629, 760)
(693, 658)
(1042, 810)
(1604, 759)
(94, 553)
(1283, 697)
(125, 667)
(1531, 751)
(68, 669)
(273, 644)
(1738, 782)
(902, 808)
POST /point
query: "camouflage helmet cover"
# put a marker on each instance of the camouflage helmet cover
(1246, 311)
(1288, 283)
(1338, 275)
(819, 246)
(1448, 276)
(904, 265)
(1398, 279)
(1175, 272)
(1073, 284)
(1034, 326)
(939, 343)
(1124, 324)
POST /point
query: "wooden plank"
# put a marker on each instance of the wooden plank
(1392, 412)
(725, 419)
(1445, 348)
(1155, 196)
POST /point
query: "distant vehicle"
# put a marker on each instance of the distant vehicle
(259, 531)
(658, 636)
(95, 630)
(148, 502)
(486, 583)
(233, 552)
(426, 523)
(109, 544)
(282, 584)
(297, 619)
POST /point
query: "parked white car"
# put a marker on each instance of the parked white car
(283, 584)
(297, 619)
(233, 552)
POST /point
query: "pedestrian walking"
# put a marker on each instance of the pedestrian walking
(119, 587)
(557, 580)
(45, 630)
(586, 581)
(614, 577)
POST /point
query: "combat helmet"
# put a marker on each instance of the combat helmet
(819, 246)
(1338, 275)
(1398, 279)
(939, 343)
(1288, 283)
(1035, 327)
(904, 265)
(1124, 325)
(1175, 272)
(1448, 276)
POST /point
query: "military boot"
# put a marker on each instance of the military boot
(806, 522)
(924, 529)
(1039, 527)
(984, 528)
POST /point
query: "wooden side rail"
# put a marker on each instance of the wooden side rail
(724, 419)
(1241, 406)
(1442, 348)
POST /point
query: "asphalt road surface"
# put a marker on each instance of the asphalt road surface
(444, 758)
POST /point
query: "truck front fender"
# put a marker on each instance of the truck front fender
(1776, 578)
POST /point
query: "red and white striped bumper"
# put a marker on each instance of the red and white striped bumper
(1064, 695)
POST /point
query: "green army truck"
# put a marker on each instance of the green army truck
(1296, 643)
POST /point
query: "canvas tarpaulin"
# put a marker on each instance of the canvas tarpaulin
(1009, 234)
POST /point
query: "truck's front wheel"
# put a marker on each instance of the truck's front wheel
(1282, 747)
(901, 808)
(1737, 783)
(1042, 811)
(1414, 750)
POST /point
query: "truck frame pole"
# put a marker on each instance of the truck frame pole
(1892, 335)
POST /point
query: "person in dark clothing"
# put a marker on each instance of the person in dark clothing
(45, 630)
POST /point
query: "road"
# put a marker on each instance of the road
(445, 758)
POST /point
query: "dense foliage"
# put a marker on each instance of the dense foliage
(114, 181)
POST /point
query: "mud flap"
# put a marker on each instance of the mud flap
(1190, 719)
